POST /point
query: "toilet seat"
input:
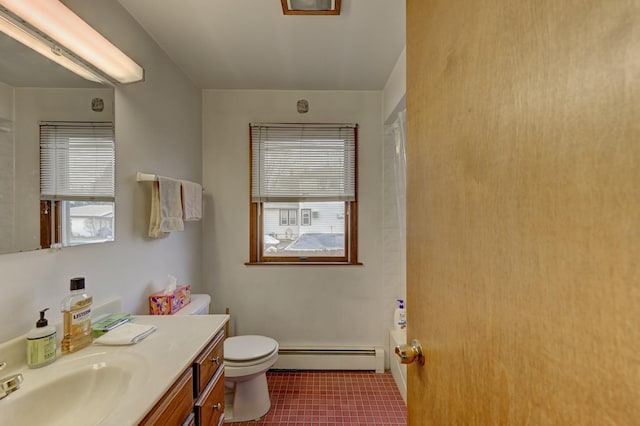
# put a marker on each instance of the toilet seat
(248, 350)
(247, 356)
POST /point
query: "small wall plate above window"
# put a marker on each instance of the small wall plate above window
(303, 106)
(311, 7)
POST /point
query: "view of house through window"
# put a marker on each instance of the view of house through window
(324, 236)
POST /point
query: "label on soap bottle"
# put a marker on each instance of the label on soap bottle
(80, 322)
(80, 316)
(41, 350)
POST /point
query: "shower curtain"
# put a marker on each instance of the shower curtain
(400, 169)
(395, 140)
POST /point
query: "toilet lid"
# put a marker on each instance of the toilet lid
(247, 348)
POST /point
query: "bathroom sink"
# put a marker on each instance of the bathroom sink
(81, 390)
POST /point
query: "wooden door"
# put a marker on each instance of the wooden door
(523, 211)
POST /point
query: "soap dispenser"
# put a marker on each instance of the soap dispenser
(41, 343)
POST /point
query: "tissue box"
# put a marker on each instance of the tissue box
(168, 304)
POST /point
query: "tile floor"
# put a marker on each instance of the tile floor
(332, 398)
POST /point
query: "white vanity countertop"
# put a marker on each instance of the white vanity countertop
(165, 354)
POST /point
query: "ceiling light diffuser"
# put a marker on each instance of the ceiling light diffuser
(46, 49)
(311, 7)
(57, 27)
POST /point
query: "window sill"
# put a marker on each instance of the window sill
(303, 264)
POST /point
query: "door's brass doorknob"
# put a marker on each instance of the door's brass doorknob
(409, 354)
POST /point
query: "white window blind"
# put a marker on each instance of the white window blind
(77, 161)
(303, 162)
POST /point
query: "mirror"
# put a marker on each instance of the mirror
(34, 89)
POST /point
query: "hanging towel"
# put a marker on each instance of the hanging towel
(191, 200)
(156, 217)
(170, 205)
(126, 334)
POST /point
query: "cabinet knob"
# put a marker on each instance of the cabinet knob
(216, 360)
(217, 406)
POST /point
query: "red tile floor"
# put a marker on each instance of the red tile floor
(332, 398)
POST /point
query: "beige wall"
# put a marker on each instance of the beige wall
(309, 305)
(523, 210)
(6, 101)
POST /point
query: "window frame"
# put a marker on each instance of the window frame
(55, 217)
(257, 255)
(284, 217)
(302, 216)
(288, 217)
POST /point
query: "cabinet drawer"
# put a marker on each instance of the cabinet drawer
(175, 406)
(191, 420)
(206, 365)
(209, 408)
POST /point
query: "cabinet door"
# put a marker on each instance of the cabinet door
(209, 408)
(176, 405)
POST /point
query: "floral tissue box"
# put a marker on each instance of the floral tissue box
(169, 304)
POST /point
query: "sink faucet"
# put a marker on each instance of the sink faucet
(10, 383)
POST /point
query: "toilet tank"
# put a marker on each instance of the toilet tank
(199, 305)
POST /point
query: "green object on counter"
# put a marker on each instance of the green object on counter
(111, 321)
(41, 343)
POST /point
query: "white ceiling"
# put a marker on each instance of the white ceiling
(250, 44)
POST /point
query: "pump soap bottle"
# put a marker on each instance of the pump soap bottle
(41, 343)
(76, 317)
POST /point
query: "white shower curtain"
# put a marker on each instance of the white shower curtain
(398, 129)
(395, 188)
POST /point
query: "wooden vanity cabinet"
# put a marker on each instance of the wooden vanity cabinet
(197, 397)
(175, 406)
(209, 408)
(208, 383)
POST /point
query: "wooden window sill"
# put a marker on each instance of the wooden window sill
(303, 264)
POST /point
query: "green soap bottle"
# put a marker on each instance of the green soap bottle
(41, 343)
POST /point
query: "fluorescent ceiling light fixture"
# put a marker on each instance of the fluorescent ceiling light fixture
(311, 7)
(46, 49)
(54, 22)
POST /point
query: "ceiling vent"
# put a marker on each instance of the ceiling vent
(311, 7)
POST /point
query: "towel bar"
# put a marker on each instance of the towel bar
(148, 177)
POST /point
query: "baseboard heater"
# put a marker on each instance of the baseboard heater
(371, 359)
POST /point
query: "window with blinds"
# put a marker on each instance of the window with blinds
(303, 162)
(305, 170)
(77, 161)
(77, 183)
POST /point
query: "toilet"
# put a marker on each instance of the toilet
(246, 361)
